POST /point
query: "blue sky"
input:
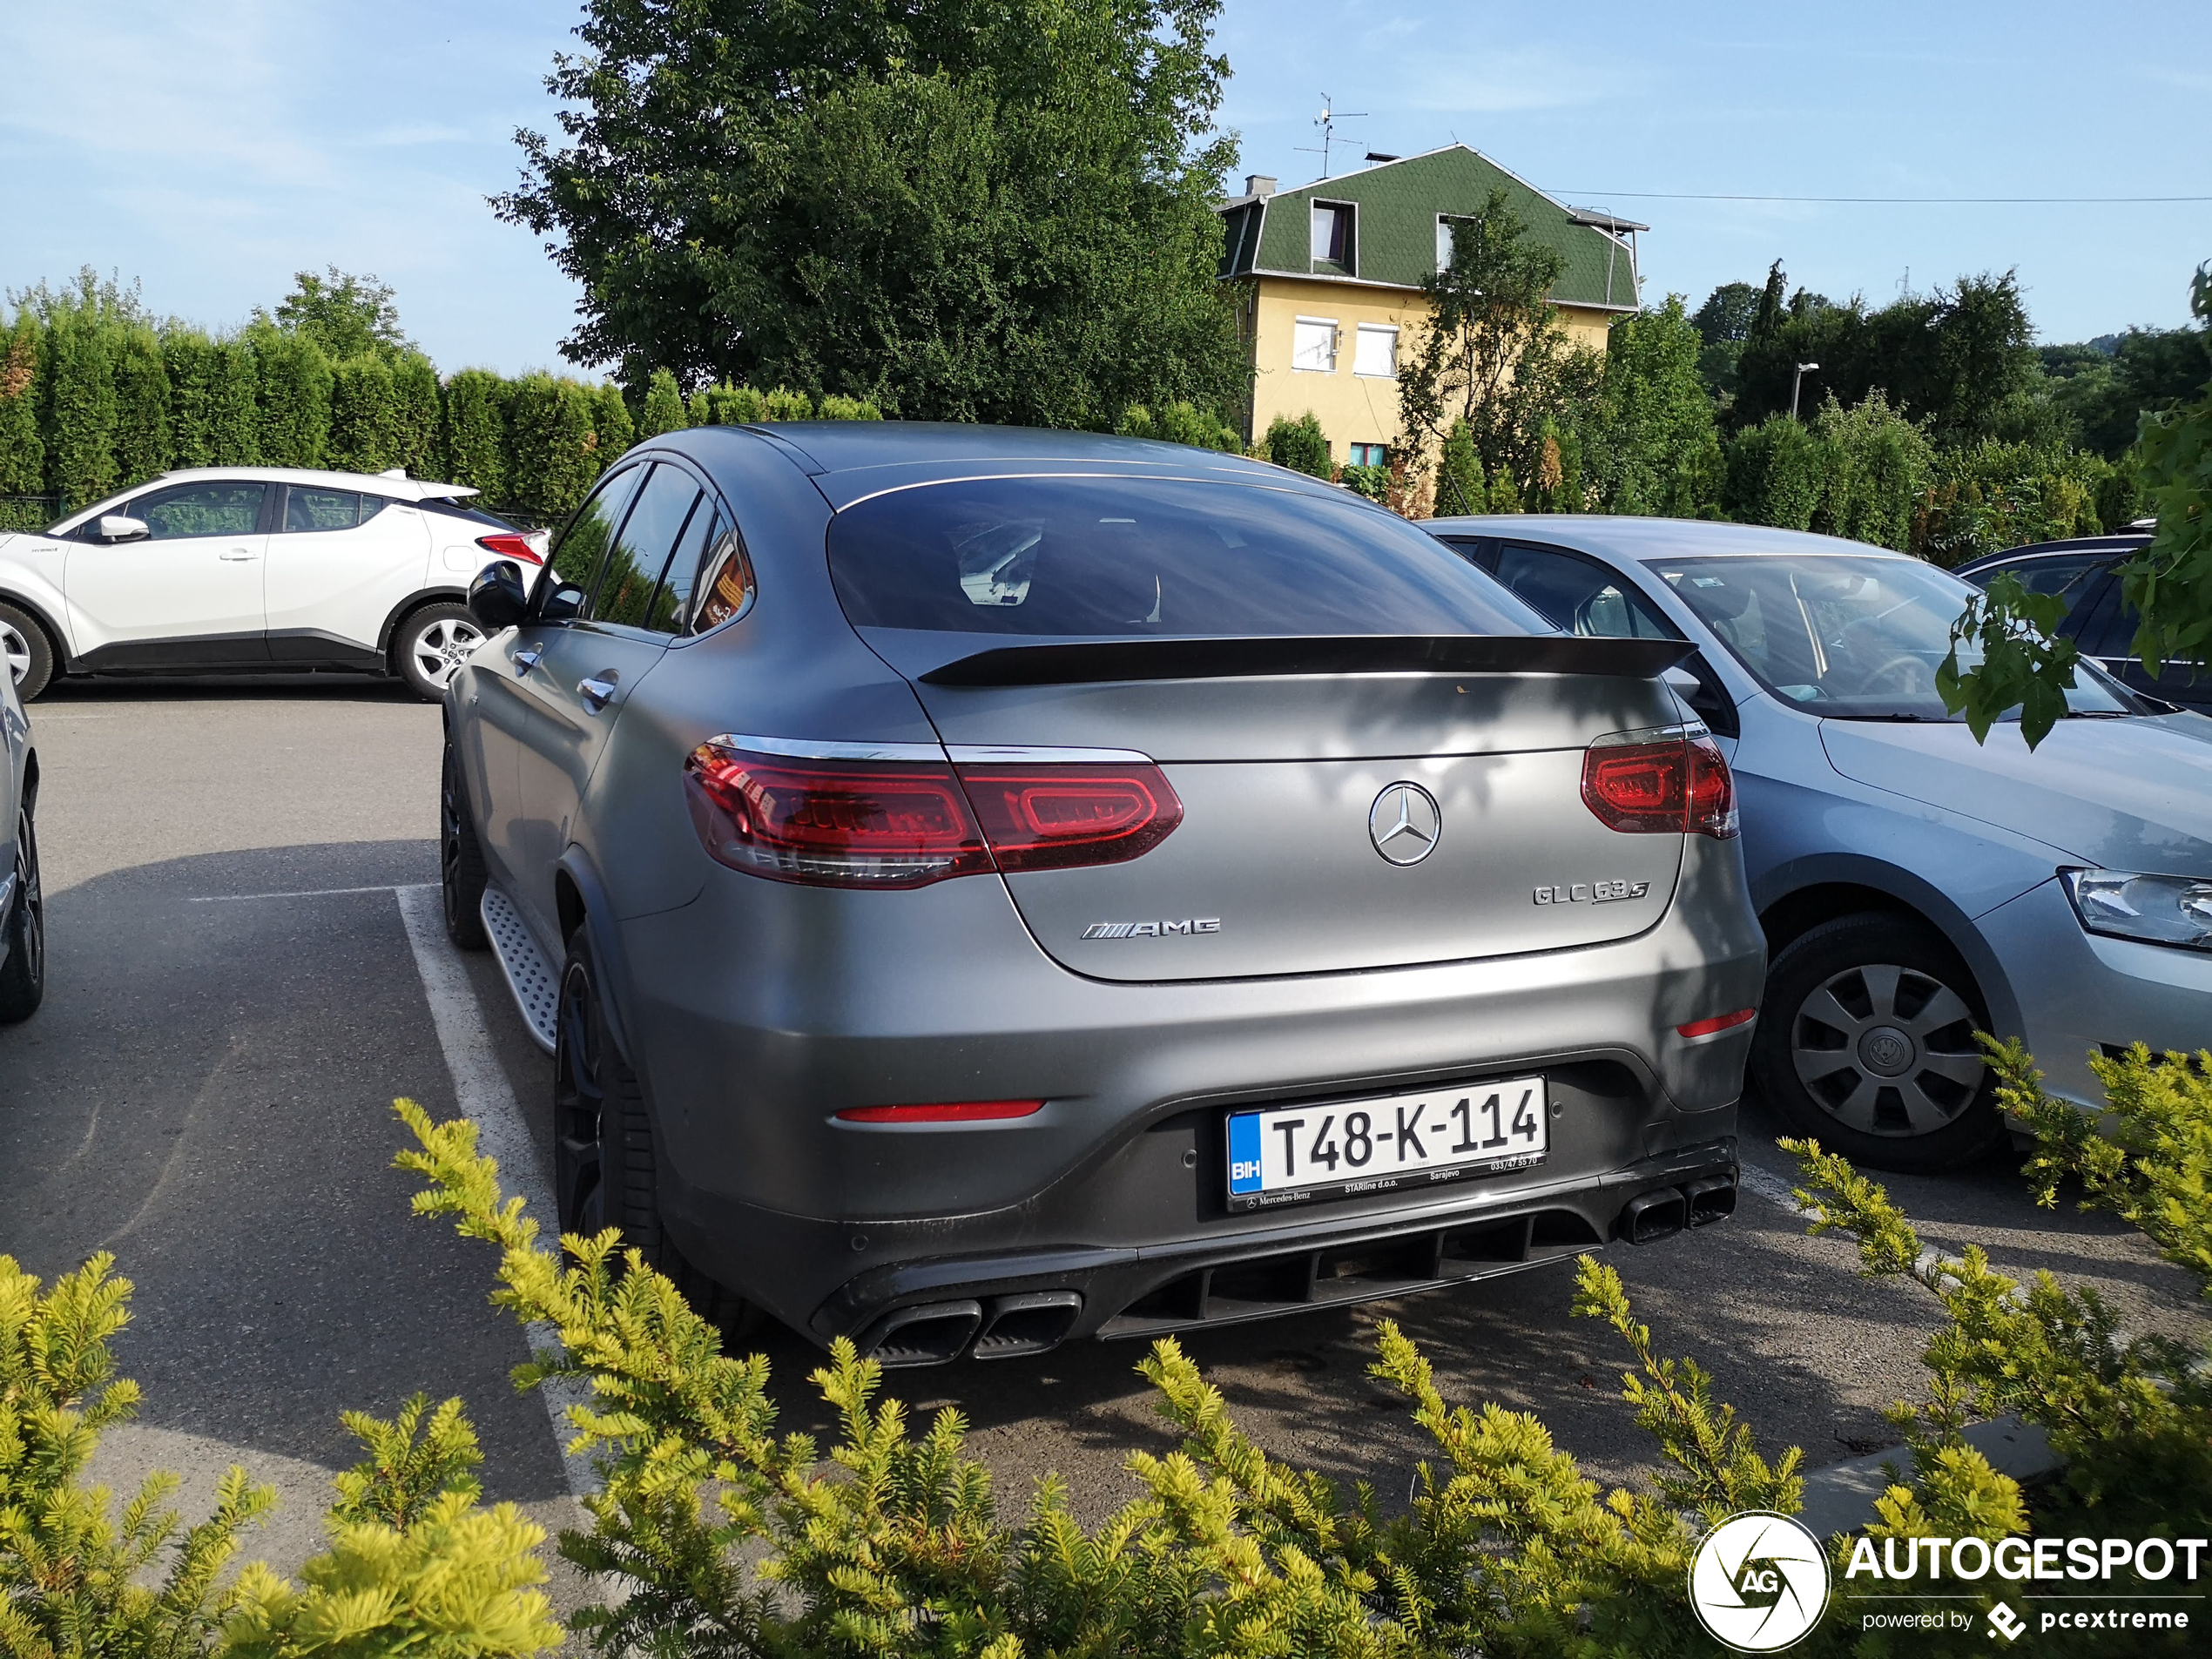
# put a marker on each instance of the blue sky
(213, 149)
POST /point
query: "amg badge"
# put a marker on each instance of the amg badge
(1152, 929)
(1592, 892)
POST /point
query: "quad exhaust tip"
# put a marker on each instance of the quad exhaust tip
(938, 1333)
(1663, 1213)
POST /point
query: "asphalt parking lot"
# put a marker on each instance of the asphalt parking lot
(235, 997)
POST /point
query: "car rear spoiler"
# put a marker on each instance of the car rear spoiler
(1088, 662)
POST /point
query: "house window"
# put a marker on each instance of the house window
(1370, 454)
(1375, 352)
(1332, 240)
(1445, 228)
(1313, 345)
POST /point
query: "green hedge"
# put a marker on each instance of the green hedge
(94, 400)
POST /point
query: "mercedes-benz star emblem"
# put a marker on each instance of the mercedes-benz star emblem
(1405, 824)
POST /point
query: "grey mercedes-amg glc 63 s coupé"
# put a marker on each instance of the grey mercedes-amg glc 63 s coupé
(985, 887)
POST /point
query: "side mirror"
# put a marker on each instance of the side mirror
(496, 597)
(121, 527)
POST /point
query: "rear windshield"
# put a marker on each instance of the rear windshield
(1137, 556)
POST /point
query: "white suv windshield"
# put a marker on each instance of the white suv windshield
(1855, 639)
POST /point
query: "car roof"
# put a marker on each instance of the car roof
(1644, 539)
(851, 460)
(2120, 542)
(394, 484)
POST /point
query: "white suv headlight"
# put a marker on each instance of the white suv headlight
(2157, 909)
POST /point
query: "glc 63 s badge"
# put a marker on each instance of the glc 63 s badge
(1592, 892)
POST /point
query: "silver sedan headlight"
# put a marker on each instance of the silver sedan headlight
(2157, 909)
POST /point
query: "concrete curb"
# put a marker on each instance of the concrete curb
(1840, 1497)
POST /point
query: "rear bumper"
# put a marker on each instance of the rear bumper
(1114, 1193)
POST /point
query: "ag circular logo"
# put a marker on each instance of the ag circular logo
(1759, 1581)
(1404, 823)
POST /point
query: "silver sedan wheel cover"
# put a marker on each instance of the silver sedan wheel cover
(443, 646)
(15, 650)
(1886, 1050)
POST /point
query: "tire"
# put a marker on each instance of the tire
(22, 975)
(26, 650)
(430, 643)
(1866, 1044)
(605, 1163)
(461, 860)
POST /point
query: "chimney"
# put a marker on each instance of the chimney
(1258, 184)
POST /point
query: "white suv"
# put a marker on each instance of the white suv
(232, 569)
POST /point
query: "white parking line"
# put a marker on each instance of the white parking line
(1772, 1188)
(310, 893)
(482, 1094)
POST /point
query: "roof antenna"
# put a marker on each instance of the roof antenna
(1327, 122)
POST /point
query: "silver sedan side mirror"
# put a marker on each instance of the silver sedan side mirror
(121, 527)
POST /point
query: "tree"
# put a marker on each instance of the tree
(22, 452)
(1300, 444)
(610, 423)
(476, 433)
(1652, 420)
(552, 454)
(662, 409)
(1777, 475)
(959, 212)
(2103, 393)
(234, 424)
(141, 405)
(292, 389)
(188, 357)
(1491, 352)
(361, 436)
(2005, 651)
(1877, 462)
(347, 316)
(1724, 323)
(1460, 486)
(415, 430)
(80, 409)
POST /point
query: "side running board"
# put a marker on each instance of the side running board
(535, 984)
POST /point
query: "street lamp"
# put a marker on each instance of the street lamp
(1803, 370)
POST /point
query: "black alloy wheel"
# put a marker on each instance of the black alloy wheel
(1866, 1044)
(22, 975)
(604, 1153)
(461, 860)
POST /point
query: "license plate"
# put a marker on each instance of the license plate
(1296, 1154)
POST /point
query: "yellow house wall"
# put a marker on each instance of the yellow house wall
(1352, 408)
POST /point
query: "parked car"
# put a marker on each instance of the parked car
(22, 899)
(235, 570)
(2101, 622)
(1915, 886)
(983, 887)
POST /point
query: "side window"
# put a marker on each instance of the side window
(624, 593)
(585, 538)
(308, 510)
(224, 507)
(671, 606)
(2107, 626)
(1576, 594)
(2070, 576)
(725, 586)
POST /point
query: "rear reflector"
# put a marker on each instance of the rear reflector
(509, 544)
(905, 823)
(1660, 783)
(944, 1111)
(1718, 1022)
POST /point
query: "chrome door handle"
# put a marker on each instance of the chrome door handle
(236, 555)
(526, 660)
(597, 691)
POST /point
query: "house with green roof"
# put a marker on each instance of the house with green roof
(1329, 279)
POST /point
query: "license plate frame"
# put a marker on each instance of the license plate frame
(1457, 1132)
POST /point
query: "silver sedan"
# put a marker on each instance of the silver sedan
(1915, 886)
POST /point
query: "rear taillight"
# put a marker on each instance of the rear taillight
(1051, 818)
(510, 544)
(842, 824)
(905, 823)
(1668, 782)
